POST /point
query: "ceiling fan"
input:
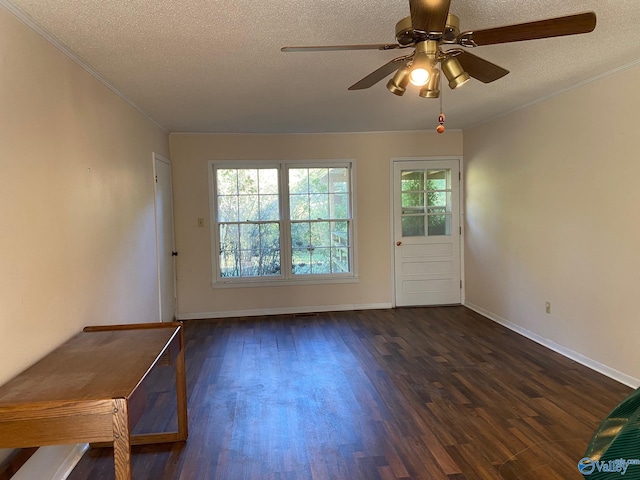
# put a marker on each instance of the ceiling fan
(430, 27)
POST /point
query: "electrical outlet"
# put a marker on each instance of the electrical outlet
(200, 222)
(547, 307)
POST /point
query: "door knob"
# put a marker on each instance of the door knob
(398, 243)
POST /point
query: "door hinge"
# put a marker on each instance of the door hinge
(459, 176)
(460, 284)
(156, 178)
(460, 230)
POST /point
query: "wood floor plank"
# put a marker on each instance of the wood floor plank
(410, 393)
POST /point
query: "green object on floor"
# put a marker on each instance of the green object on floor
(614, 449)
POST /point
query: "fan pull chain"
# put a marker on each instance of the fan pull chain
(440, 128)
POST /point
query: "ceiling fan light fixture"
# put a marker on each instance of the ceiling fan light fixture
(432, 89)
(398, 83)
(454, 72)
(423, 62)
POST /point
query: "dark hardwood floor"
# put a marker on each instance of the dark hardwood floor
(411, 393)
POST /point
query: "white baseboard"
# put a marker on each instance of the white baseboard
(578, 357)
(281, 311)
(51, 463)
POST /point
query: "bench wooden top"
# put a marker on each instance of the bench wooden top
(93, 365)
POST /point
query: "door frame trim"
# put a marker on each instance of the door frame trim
(429, 158)
(160, 158)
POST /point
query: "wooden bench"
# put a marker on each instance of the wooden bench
(89, 391)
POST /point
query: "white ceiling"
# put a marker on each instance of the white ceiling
(216, 65)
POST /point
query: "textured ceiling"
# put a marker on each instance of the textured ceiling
(216, 65)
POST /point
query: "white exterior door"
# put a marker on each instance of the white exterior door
(164, 239)
(426, 218)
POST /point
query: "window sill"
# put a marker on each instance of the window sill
(284, 283)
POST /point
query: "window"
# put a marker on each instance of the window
(282, 222)
(426, 201)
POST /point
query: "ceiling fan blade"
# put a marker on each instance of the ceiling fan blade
(384, 71)
(331, 48)
(479, 68)
(552, 27)
(429, 16)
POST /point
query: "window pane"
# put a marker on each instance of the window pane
(340, 234)
(438, 179)
(268, 181)
(249, 250)
(300, 261)
(229, 266)
(229, 237)
(298, 180)
(270, 249)
(250, 237)
(413, 202)
(271, 264)
(413, 226)
(412, 180)
(229, 247)
(340, 243)
(300, 234)
(299, 207)
(249, 264)
(339, 180)
(318, 180)
(437, 199)
(248, 208)
(321, 261)
(339, 206)
(269, 207)
(439, 225)
(247, 181)
(339, 260)
(319, 207)
(227, 208)
(320, 234)
(227, 181)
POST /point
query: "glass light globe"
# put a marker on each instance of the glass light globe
(419, 77)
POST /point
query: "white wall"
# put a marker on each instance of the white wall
(551, 199)
(76, 201)
(372, 152)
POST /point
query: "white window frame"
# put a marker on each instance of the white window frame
(286, 277)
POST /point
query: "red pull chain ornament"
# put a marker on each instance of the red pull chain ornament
(440, 128)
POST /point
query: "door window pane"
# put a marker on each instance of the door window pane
(413, 226)
(438, 202)
(439, 225)
(413, 198)
(412, 180)
(426, 199)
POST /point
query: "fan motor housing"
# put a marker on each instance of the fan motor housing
(404, 32)
(451, 29)
(406, 35)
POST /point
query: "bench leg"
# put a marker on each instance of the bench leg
(181, 391)
(121, 439)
